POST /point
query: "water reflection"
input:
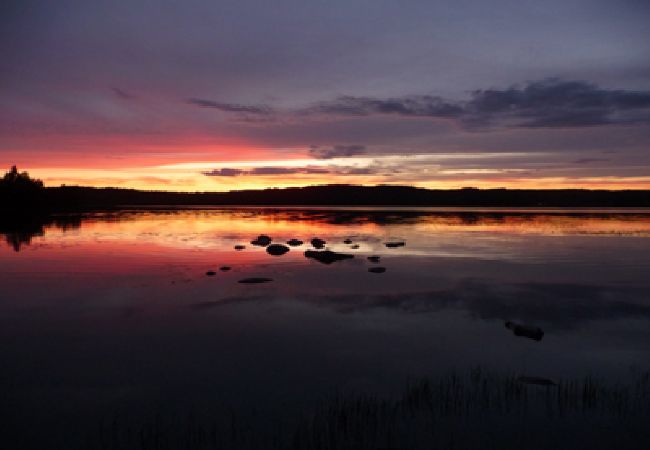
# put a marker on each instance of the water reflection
(114, 310)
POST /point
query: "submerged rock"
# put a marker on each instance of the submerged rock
(395, 244)
(211, 273)
(240, 247)
(262, 240)
(377, 269)
(224, 268)
(327, 256)
(536, 380)
(318, 243)
(374, 259)
(294, 242)
(528, 331)
(255, 280)
(277, 249)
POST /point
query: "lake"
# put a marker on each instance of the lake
(109, 321)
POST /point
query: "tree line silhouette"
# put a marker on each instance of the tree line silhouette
(20, 192)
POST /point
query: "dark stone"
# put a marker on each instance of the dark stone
(530, 332)
(211, 273)
(277, 249)
(224, 268)
(354, 247)
(374, 259)
(294, 242)
(347, 241)
(327, 256)
(377, 269)
(318, 243)
(255, 280)
(240, 247)
(395, 244)
(262, 240)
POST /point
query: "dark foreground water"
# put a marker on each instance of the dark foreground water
(113, 336)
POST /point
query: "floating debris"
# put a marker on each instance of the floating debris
(377, 269)
(536, 380)
(255, 280)
(211, 273)
(277, 249)
(327, 256)
(262, 240)
(528, 331)
(294, 242)
(318, 243)
(395, 244)
(374, 259)
(240, 247)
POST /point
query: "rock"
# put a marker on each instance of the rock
(240, 247)
(294, 242)
(262, 240)
(211, 273)
(395, 244)
(377, 269)
(354, 247)
(374, 259)
(327, 256)
(318, 243)
(528, 331)
(536, 380)
(347, 241)
(277, 249)
(255, 280)
(224, 268)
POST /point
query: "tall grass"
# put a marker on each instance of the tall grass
(476, 409)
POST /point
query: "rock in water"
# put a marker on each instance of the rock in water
(211, 273)
(327, 256)
(277, 249)
(294, 242)
(240, 247)
(255, 280)
(262, 240)
(377, 269)
(347, 241)
(354, 247)
(224, 268)
(528, 331)
(395, 244)
(373, 259)
(318, 243)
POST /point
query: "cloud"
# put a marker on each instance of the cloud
(337, 151)
(547, 103)
(589, 160)
(308, 170)
(230, 107)
(223, 172)
(121, 93)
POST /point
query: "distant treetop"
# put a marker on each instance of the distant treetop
(19, 180)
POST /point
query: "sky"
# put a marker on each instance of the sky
(212, 95)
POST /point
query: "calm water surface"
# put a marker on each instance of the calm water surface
(112, 312)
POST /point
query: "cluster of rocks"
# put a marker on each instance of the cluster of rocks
(320, 254)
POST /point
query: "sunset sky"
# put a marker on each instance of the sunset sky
(219, 95)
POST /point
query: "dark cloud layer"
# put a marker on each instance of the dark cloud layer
(262, 171)
(230, 107)
(551, 103)
(337, 151)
